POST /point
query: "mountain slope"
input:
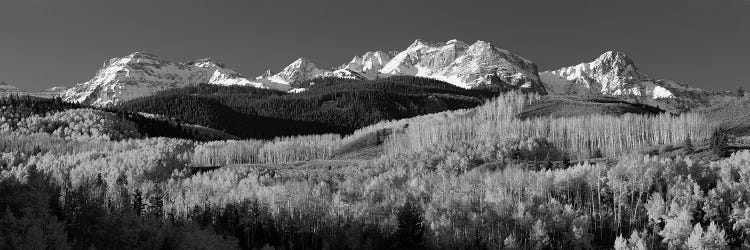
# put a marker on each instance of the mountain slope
(570, 106)
(142, 74)
(7, 89)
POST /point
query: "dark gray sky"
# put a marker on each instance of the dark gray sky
(45, 43)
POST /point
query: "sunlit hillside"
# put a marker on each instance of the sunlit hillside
(486, 176)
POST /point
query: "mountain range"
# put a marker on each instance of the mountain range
(467, 66)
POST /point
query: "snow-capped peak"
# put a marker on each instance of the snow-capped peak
(612, 73)
(300, 70)
(141, 74)
(465, 66)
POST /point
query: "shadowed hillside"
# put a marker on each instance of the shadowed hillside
(326, 106)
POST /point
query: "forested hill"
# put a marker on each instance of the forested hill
(572, 106)
(34, 114)
(326, 105)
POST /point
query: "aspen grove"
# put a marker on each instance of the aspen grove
(472, 178)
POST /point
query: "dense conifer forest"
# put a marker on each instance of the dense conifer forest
(328, 105)
(479, 176)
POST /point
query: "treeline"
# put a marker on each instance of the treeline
(40, 214)
(327, 106)
(75, 124)
(427, 199)
(482, 129)
(580, 137)
(279, 150)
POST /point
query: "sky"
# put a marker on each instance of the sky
(45, 43)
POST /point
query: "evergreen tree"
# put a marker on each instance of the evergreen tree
(410, 226)
(719, 143)
(597, 153)
(566, 161)
(138, 202)
(689, 145)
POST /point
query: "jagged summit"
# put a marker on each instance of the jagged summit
(466, 66)
(619, 62)
(369, 64)
(268, 73)
(300, 70)
(456, 62)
